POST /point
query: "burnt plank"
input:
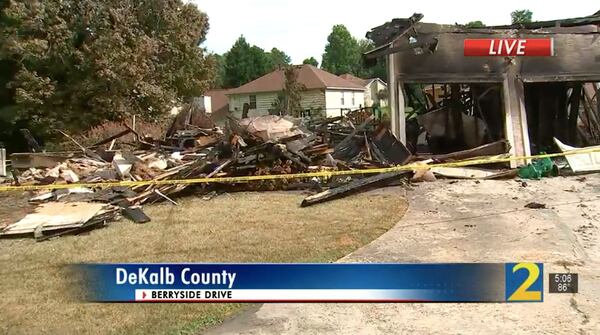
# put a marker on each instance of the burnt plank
(351, 187)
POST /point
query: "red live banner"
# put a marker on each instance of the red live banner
(509, 47)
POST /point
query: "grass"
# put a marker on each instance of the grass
(242, 227)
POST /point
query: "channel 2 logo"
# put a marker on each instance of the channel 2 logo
(509, 47)
(524, 282)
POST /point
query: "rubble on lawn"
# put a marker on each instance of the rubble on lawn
(56, 218)
(195, 148)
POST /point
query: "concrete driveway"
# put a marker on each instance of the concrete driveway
(469, 221)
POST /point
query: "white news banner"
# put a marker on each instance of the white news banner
(187, 295)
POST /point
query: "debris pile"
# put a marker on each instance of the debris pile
(266, 145)
(116, 176)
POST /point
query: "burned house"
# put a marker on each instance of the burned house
(463, 101)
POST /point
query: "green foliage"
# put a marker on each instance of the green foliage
(244, 63)
(475, 24)
(277, 59)
(72, 64)
(521, 16)
(312, 61)
(219, 78)
(342, 53)
(375, 71)
(240, 65)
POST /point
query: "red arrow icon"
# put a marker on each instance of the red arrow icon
(143, 294)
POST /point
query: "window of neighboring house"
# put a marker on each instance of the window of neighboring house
(352, 98)
(342, 98)
(253, 102)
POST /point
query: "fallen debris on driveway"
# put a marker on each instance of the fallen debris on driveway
(354, 186)
(471, 173)
(580, 162)
(535, 205)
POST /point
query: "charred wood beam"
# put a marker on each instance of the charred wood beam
(351, 187)
(574, 100)
(33, 145)
(347, 141)
(281, 152)
(114, 137)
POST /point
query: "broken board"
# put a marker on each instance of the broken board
(56, 215)
(351, 187)
(589, 161)
(469, 173)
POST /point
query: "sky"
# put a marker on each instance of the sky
(300, 28)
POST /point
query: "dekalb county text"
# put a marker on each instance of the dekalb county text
(163, 276)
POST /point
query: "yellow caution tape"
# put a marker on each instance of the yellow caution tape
(245, 179)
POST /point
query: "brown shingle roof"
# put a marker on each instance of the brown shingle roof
(219, 102)
(359, 81)
(310, 76)
(356, 80)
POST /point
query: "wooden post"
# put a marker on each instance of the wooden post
(574, 113)
(396, 101)
(515, 118)
(2, 162)
(133, 127)
(392, 92)
(400, 122)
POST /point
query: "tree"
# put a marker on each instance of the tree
(278, 58)
(342, 53)
(239, 64)
(312, 61)
(378, 70)
(521, 16)
(365, 45)
(288, 101)
(219, 78)
(475, 24)
(245, 63)
(260, 62)
(72, 64)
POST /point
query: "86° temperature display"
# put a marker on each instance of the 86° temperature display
(563, 283)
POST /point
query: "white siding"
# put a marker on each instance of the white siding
(313, 100)
(334, 105)
(371, 93)
(264, 102)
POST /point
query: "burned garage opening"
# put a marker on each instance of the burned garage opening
(444, 118)
(567, 111)
(531, 83)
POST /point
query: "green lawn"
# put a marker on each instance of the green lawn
(241, 227)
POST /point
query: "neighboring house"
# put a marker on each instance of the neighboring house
(372, 87)
(324, 94)
(219, 104)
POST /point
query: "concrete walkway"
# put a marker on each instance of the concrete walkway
(469, 221)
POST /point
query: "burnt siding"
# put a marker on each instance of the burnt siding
(576, 56)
